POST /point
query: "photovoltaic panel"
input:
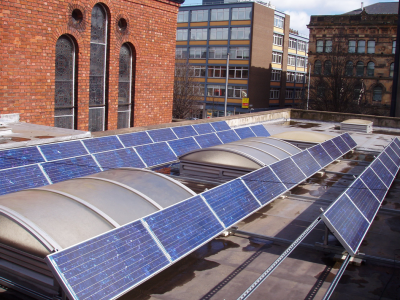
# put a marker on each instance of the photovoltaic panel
(349, 140)
(332, 150)
(204, 128)
(320, 155)
(183, 146)
(390, 152)
(264, 185)
(208, 140)
(260, 130)
(110, 264)
(183, 227)
(69, 168)
(363, 199)
(184, 131)
(135, 139)
(341, 144)
(155, 154)
(63, 150)
(395, 148)
(161, 135)
(373, 182)
(220, 126)
(118, 159)
(244, 132)
(102, 144)
(17, 179)
(228, 136)
(288, 173)
(388, 163)
(306, 163)
(382, 172)
(397, 141)
(231, 202)
(19, 157)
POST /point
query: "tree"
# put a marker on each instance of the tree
(187, 91)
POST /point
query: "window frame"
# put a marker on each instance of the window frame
(183, 16)
(292, 43)
(220, 88)
(235, 91)
(219, 14)
(291, 60)
(276, 75)
(276, 57)
(370, 69)
(319, 46)
(278, 39)
(214, 33)
(352, 46)
(200, 34)
(238, 70)
(370, 47)
(235, 31)
(246, 11)
(197, 13)
(328, 46)
(274, 93)
(130, 100)
(180, 34)
(361, 46)
(279, 21)
(375, 95)
(237, 50)
(180, 50)
(198, 52)
(290, 76)
(221, 70)
(216, 50)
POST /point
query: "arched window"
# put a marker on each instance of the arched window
(125, 93)
(97, 76)
(328, 68)
(370, 69)
(349, 68)
(360, 68)
(64, 100)
(317, 67)
(377, 93)
(391, 71)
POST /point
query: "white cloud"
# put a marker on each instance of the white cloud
(298, 21)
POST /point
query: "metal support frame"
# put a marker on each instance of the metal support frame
(335, 281)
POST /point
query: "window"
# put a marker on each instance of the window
(197, 52)
(301, 46)
(349, 68)
(300, 62)
(218, 33)
(377, 93)
(370, 69)
(276, 57)
(361, 47)
(291, 61)
(97, 75)
(371, 47)
(317, 67)
(217, 71)
(279, 21)
(239, 53)
(199, 71)
(181, 53)
(320, 46)
(391, 71)
(64, 100)
(299, 77)
(181, 34)
(278, 39)
(125, 87)
(198, 90)
(242, 13)
(217, 52)
(394, 47)
(274, 93)
(328, 68)
(289, 94)
(276, 75)
(360, 68)
(290, 76)
(216, 90)
(240, 33)
(328, 46)
(183, 16)
(352, 46)
(236, 91)
(199, 15)
(238, 72)
(198, 34)
(292, 43)
(298, 94)
(220, 14)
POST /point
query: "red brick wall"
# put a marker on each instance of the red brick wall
(29, 31)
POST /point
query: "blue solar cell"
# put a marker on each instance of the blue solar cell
(320, 155)
(260, 130)
(184, 131)
(19, 157)
(118, 159)
(288, 173)
(231, 202)
(103, 144)
(135, 139)
(264, 184)
(395, 148)
(14, 180)
(220, 126)
(69, 168)
(389, 151)
(155, 154)
(373, 182)
(363, 199)
(228, 136)
(341, 144)
(385, 159)
(204, 128)
(397, 141)
(208, 140)
(349, 140)
(63, 150)
(245, 132)
(306, 163)
(185, 226)
(332, 150)
(161, 135)
(382, 172)
(110, 264)
(183, 146)
(348, 222)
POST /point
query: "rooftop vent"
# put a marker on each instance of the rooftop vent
(356, 125)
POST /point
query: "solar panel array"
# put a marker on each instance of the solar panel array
(66, 160)
(351, 215)
(113, 263)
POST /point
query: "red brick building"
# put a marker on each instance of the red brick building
(88, 65)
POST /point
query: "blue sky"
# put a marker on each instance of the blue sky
(300, 11)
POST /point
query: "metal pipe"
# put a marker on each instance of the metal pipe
(335, 281)
(226, 83)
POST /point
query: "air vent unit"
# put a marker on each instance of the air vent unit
(356, 125)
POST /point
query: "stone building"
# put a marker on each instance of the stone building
(88, 65)
(367, 37)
